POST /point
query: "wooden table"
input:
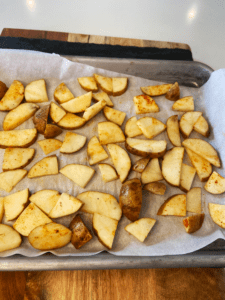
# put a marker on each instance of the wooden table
(187, 284)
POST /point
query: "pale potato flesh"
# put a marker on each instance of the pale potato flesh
(36, 91)
(174, 92)
(49, 236)
(93, 110)
(173, 206)
(56, 113)
(145, 104)
(215, 184)
(101, 203)
(73, 142)
(217, 213)
(29, 219)
(202, 126)
(17, 158)
(102, 96)
(193, 223)
(131, 128)
(140, 165)
(109, 132)
(186, 178)
(71, 121)
(150, 127)
(152, 172)
(88, 84)
(79, 104)
(151, 148)
(18, 138)
(79, 174)
(19, 115)
(15, 203)
(194, 200)
(9, 238)
(44, 167)
(114, 115)
(1, 208)
(171, 165)
(45, 199)
(9, 179)
(105, 83)
(184, 104)
(121, 161)
(157, 188)
(108, 172)
(140, 228)
(119, 85)
(95, 151)
(156, 90)
(187, 122)
(62, 94)
(173, 131)
(49, 145)
(13, 97)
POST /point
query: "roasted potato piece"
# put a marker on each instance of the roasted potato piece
(131, 128)
(10, 238)
(40, 119)
(49, 145)
(93, 110)
(80, 233)
(193, 223)
(102, 96)
(9, 179)
(79, 174)
(72, 143)
(79, 104)
(71, 121)
(215, 184)
(186, 178)
(194, 202)
(88, 84)
(202, 126)
(17, 158)
(95, 151)
(36, 91)
(3, 89)
(217, 213)
(157, 188)
(140, 228)
(119, 86)
(15, 203)
(18, 138)
(174, 92)
(150, 148)
(19, 115)
(108, 172)
(49, 236)
(140, 165)
(44, 167)
(152, 172)
(101, 203)
(45, 199)
(52, 131)
(56, 113)
(187, 122)
(130, 199)
(62, 94)
(156, 90)
(105, 83)
(13, 97)
(1, 208)
(145, 104)
(150, 127)
(30, 218)
(114, 115)
(184, 104)
(173, 206)
(105, 229)
(109, 133)
(173, 130)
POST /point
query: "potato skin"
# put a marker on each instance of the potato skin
(80, 233)
(193, 223)
(40, 119)
(3, 89)
(174, 93)
(130, 199)
(52, 131)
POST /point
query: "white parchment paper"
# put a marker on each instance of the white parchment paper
(168, 236)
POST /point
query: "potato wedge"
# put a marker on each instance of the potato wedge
(140, 165)
(18, 138)
(173, 206)
(79, 104)
(15, 203)
(72, 143)
(45, 199)
(156, 90)
(157, 188)
(88, 84)
(3, 89)
(119, 85)
(105, 229)
(109, 132)
(10, 238)
(174, 92)
(186, 178)
(101, 203)
(52, 131)
(108, 172)
(202, 126)
(150, 148)
(105, 83)
(56, 113)
(113, 115)
(80, 233)
(150, 127)
(40, 119)
(79, 174)
(102, 96)
(121, 161)
(93, 110)
(95, 151)
(203, 149)
(19, 115)
(173, 131)
(1, 208)
(184, 104)
(131, 128)
(194, 202)
(171, 165)
(145, 104)
(187, 122)
(9, 179)
(13, 97)
(17, 158)
(71, 121)
(49, 236)
(140, 228)
(44, 167)
(152, 172)
(66, 205)
(62, 94)
(36, 91)
(217, 213)
(215, 184)
(49, 145)
(193, 223)
(30, 218)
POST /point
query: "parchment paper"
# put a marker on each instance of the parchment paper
(168, 236)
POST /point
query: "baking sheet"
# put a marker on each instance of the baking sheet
(168, 236)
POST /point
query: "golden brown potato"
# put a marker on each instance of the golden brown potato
(40, 119)
(174, 93)
(17, 158)
(62, 94)
(88, 84)
(18, 138)
(13, 97)
(173, 206)
(156, 90)
(80, 233)
(130, 199)
(71, 121)
(193, 223)
(119, 86)
(105, 83)
(157, 188)
(52, 131)
(3, 89)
